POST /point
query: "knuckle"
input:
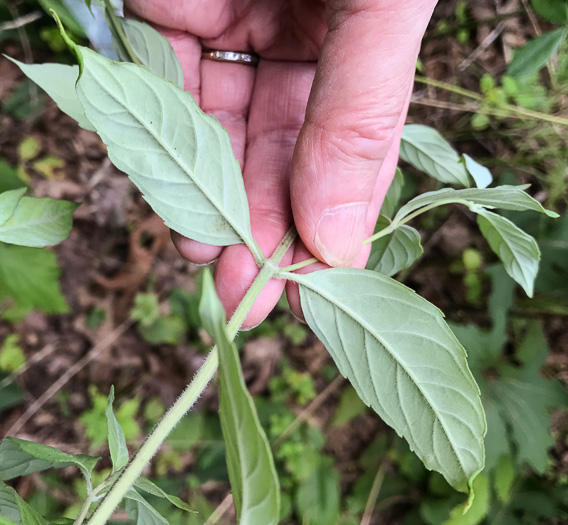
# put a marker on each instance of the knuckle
(363, 137)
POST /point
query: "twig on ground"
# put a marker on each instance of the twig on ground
(374, 493)
(68, 375)
(481, 48)
(36, 358)
(27, 48)
(310, 409)
(223, 507)
(21, 21)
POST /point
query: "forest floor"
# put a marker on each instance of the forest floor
(120, 255)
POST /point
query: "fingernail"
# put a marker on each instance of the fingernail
(340, 232)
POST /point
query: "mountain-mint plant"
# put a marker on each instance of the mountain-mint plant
(392, 345)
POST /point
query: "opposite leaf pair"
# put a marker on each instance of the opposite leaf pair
(393, 346)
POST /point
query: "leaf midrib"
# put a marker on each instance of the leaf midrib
(245, 496)
(514, 248)
(400, 364)
(184, 169)
(29, 224)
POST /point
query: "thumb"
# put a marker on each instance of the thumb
(362, 82)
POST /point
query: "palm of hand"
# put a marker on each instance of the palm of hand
(264, 110)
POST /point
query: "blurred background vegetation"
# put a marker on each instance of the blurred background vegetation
(116, 305)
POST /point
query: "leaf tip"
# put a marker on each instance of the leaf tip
(471, 493)
(211, 310)
(73, 47)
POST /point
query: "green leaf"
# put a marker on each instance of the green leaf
(392, 198)
(553, 275)
(480, 174)
(141, 512)
(350, 406)
(497, 442)
(504, 478)
(11, 354)
(517, 250)
(29, 149)
(249, 460)
(166, 329)
(502, 197)
(20, 458)
(395, 252)
(479, 508)
(500, 301)
(526, 399)
(317, 497)
(64, 14)
(426, 150)
(188, 432)
(9, 178)
(28, 516)
(184, 165)
(30, 277)
(151, 488)
(8, 503)
(116, 440)
(10, 393)
(58, 81)
(535, 54)
(9, 202)
(152, 48)
(518, 401)
(552, 10)
(146, 309)
(402, 359)
(15, 510)
(38, 222)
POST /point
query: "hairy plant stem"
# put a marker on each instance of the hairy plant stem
(384, 232)
(399, 221)
(301, 264)
(92, 496)
(188, 397)
(111, 16)
(501, 110)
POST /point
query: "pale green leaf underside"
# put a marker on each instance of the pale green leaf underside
(8, 202)
(426, 150)
(19, 458)
(404, 362)
(8, 504)
(116, 440)
(141, 511)
(58, 81)
(256, 491)
(153, 50)
(517, 250)
(180, 158)
(151, 488)
(394, 192)
(38, 222)
(398, 252)
(14, 510)
(28, 515)
(501, 197)
(479, 173)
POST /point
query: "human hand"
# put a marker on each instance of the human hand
(323, 163)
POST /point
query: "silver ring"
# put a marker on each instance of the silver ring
(235, 57)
